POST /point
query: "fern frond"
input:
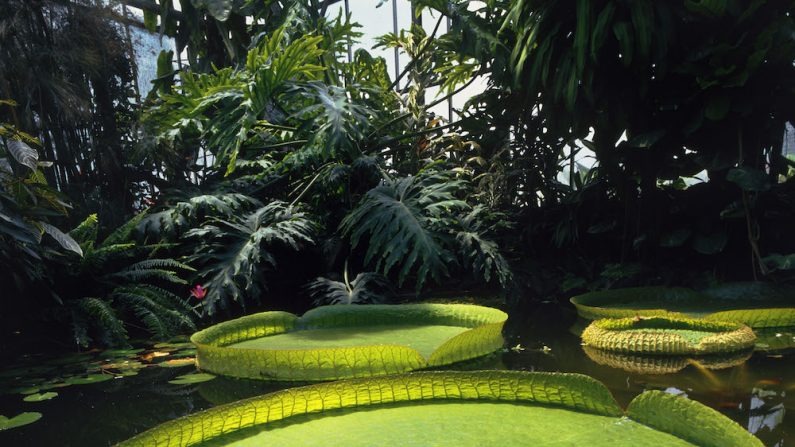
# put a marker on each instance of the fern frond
(104, 317)
(124, 234)
(159, 317)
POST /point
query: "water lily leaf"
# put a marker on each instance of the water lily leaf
(18, 420)
(173, 346)
(439, 407)
(112, 353)
(38, 397)
(176, 363)
(31, 390)
(334, 342)
(757, 305)
(188, 379)
(92, 378)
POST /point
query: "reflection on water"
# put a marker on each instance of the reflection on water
(754, 389)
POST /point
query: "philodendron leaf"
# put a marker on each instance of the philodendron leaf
(219, 9)
(18, 420)
(23, 154)
(749, 179)
(66, 241)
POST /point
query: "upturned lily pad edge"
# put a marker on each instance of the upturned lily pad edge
(591, 306)
(316, 364)
(679, 416)
(611, 334)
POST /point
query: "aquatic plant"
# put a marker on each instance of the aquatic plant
(516, 408)
(334, 342)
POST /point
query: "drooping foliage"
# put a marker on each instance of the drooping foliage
(119, 282)
(681, 105)
(69, 66)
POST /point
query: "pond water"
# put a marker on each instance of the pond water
(133, 392)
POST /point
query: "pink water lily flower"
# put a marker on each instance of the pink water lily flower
(198, 292)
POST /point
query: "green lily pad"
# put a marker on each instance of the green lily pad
(189, 379)
(38, 397)
(18, 420)
(450, 408)
(757, 305)
(91, 378)
(333, 342)
(667, 336)
(173, 346)
(113, 353)
(29, 390)
(177, 363)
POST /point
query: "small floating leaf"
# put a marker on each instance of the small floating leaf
(93, 378)
(176, 363)
(188, 379)
(38, 397)
(18, 420)
(173, 346)
(31, 390)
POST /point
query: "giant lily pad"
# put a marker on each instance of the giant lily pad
(667, 336)
(440, 408)
(754, 304)
(335, 342)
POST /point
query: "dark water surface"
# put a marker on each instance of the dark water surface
(758, 393)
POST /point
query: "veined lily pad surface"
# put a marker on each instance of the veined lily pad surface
(757, 305)
(507, 408)
(335, 342)
(667, 336)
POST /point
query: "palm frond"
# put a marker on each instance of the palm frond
(101, 314)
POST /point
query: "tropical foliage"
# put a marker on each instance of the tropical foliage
(615, 144)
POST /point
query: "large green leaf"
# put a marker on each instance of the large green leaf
(18, 420)
(754, 304)
(400, 218)
(667, 336)
(689, 420)
(511, 408)
(333, 342)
